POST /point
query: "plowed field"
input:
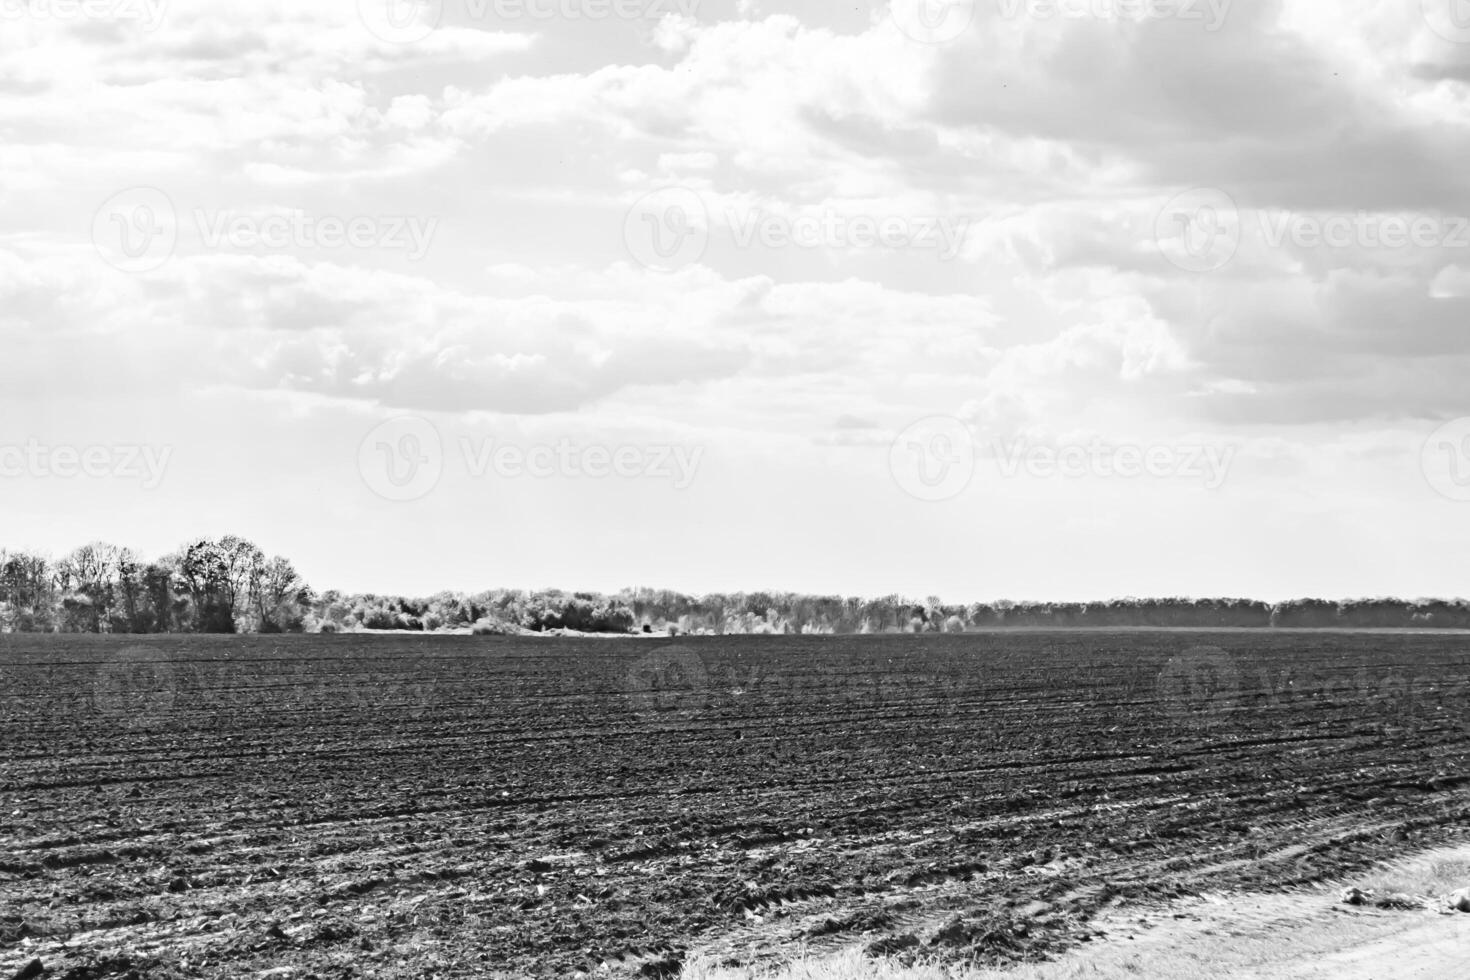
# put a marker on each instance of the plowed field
(383, 806)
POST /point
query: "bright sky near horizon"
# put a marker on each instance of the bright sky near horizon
(984, 299)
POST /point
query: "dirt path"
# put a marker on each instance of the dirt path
(1298, 935)
(1430, 949)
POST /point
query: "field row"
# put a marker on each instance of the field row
(552, 806)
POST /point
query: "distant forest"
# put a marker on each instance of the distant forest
(230, 586)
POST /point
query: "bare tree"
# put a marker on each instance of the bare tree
(27, 592)
(280, 595)
(87, 579)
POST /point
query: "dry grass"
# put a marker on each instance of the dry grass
(1428, 877)
(1256, 936)
(852, 965)
(1226, 952)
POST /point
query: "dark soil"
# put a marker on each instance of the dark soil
(382, 806)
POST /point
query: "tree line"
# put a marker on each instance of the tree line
(230, 585)
(207, 586)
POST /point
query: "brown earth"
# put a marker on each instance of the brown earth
(355, 806)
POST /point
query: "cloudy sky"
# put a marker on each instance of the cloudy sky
(980, 299)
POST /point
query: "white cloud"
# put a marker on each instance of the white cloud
(1055, 142)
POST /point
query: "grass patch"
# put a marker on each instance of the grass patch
(1250, 936)
(851, 965)
(1234, 950)
(1425, 877)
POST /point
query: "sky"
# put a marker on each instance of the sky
(970, 298)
